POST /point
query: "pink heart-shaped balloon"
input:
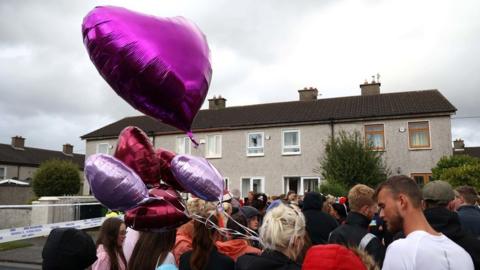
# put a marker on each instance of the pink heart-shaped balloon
(160, 66)
(135, 149)
(162, 214)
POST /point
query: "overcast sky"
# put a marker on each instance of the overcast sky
(262, 51)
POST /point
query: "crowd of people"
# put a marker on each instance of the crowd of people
(398, 225)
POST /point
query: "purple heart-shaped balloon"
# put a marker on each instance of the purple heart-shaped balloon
(160, 66)
(198, 176)
(114, 184)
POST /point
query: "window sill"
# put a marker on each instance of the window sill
(291, 153)
(213, 157)
(377, 150)
(256, 155)
(419, 148)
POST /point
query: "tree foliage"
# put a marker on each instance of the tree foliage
(447, 162)
(333, 188)
(349, 161)
(458, 170)
(56, 178)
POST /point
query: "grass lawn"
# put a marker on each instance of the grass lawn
(14, 245)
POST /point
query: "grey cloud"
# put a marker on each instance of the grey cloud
(52, 94)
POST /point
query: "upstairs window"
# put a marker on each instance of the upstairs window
(255, 144)
(214, 146)
(291, 142)
(103, 148)
(375, 136)
(419, 134)
(3, 173)
(183, 145)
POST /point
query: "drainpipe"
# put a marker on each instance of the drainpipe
(153, 137)
(332, 129)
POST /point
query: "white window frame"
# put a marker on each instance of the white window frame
(285, 153)
(263, 144)
(302, 186)
(108, 148)
(384, 137)
(302, 179)
(4, 176)
(177, 148)
(251, 178)
(207, 153)
(429, 135)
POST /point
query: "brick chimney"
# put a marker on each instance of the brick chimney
(68, 149)
(18, 142)
(458, 145)
(308, 93)
(372, 88)
(217, 103)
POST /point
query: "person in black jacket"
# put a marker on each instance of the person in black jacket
(282, 234)
(468, 212)
(204, 254)
(319, 224)
(355, 232)
(437, 196)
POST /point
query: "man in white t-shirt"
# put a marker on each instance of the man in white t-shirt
(400, 200)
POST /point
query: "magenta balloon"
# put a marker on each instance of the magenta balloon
(160, 66)
(198, 176)
(114, 184)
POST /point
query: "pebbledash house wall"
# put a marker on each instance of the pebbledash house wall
(234, 163)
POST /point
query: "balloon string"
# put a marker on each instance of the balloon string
(251, 234)
(195, 143)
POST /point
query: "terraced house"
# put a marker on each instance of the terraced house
(274, 147)
(18, 163)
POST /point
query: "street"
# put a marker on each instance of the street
(18, 266)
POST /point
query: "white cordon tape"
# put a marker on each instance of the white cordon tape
(45, 205)
(13, 234)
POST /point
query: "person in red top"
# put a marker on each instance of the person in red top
(237, 245)
(337, 257)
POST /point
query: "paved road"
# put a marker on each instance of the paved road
(27, 257)
(18, 266)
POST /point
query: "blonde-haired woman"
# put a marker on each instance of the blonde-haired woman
(282, 234)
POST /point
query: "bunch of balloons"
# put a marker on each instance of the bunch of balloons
(161, 67)
(121, 181)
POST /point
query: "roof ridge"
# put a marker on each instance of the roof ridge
(293, 101)
(41, 149)
(390, 104)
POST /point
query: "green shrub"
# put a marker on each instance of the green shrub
(56, 178)
(447, 162)
(349, 161)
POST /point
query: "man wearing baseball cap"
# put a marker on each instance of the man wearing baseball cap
(437, 196)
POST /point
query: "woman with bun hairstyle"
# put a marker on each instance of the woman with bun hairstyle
(282, 234)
